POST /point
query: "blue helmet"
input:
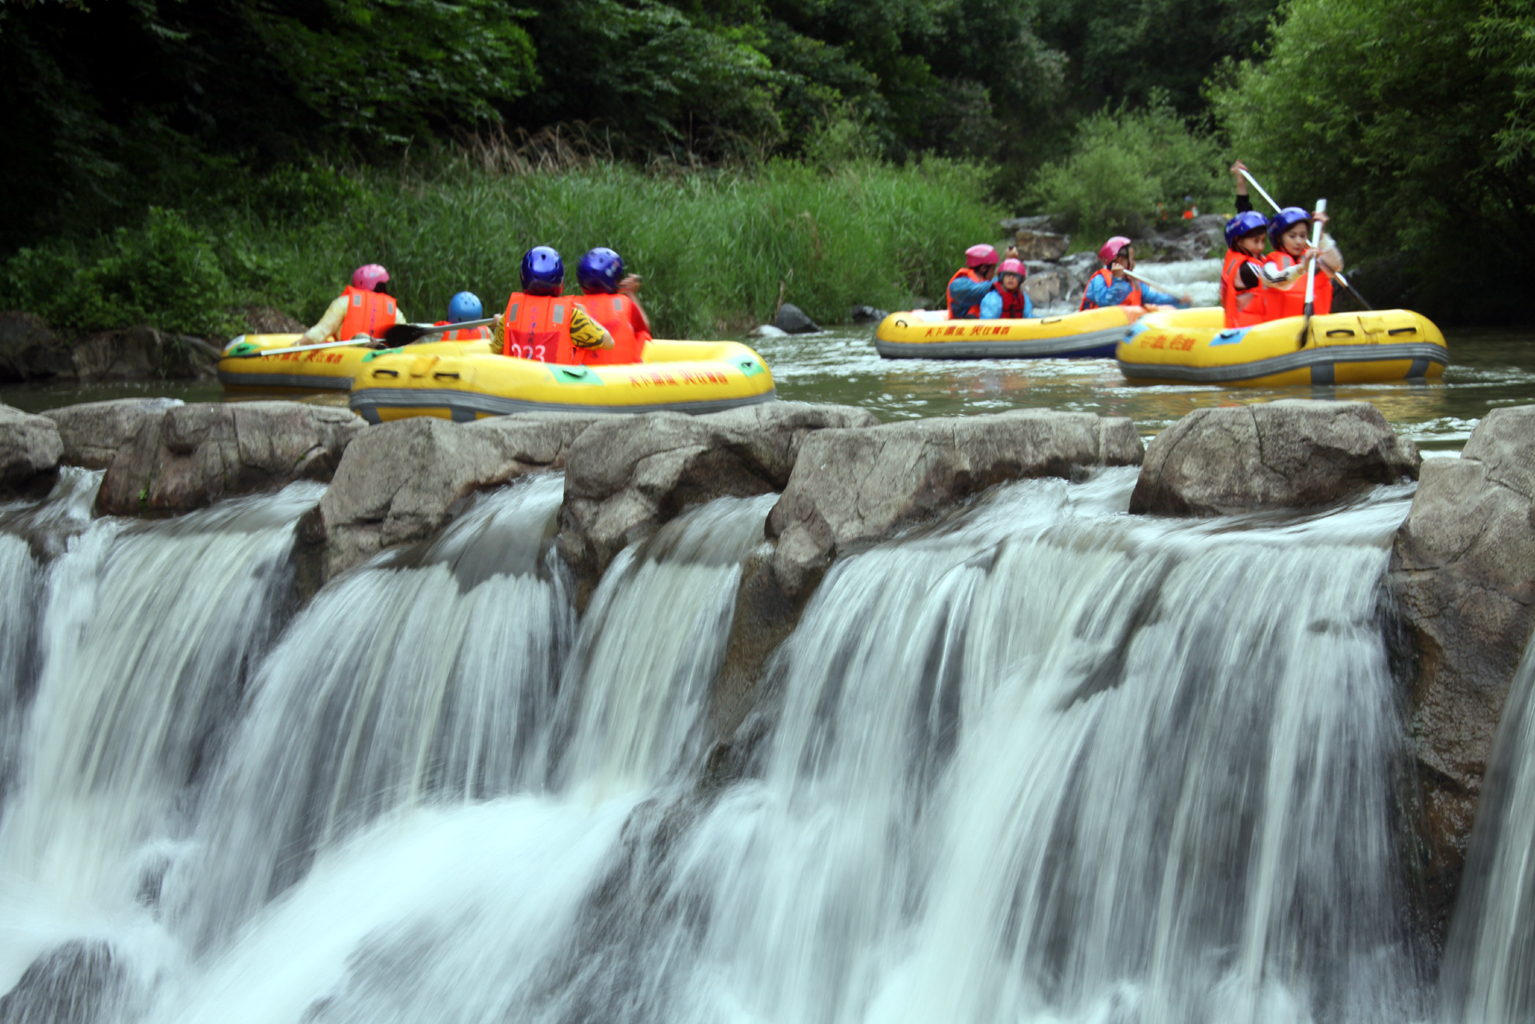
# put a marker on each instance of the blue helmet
(543, 273)
(1244, 223)
(600, 271)
(1284, 220)
(465, 306)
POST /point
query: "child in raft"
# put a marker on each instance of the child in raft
(463, 307)
(1007, 300)
(1284, 271)
(608, 296)
(1112, 286)
(363, 309)
(1241, 289)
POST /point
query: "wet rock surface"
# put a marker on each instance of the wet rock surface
(853, 488)
(93, 432)
(401, 482)
(30, 449)
(140, 353)
(190, 456)
(793, 320)
(626, 477)
(1292, 453)
(79, 981)
(1463, 577)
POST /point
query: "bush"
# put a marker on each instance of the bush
(165, 273)
(1123, 163)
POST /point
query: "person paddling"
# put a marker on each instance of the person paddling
(540, 323)
(1284, 271)
(608, 296)
(463, 307)
(971, 282)
(1007, 300)
(1241, 291)
(363, 309)
(1112, 286)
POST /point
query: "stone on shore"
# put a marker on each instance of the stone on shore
(793, 320)
(1286, 454)
(626, 477)
(1463, 575)
(29, 453)
(94, 431)
(401, 482)
(29, 349)
(854, 488)
(193, 455)
(1040, 245)
(139, 353)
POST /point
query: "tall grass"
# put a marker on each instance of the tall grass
(718, 250)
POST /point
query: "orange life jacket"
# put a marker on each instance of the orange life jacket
(1244, 306)
(369, 313)
(463, 333)
(1012, 303)
(1279, 303)
(623, 320)
(973, 311)
(538, 328)
(1133, 299)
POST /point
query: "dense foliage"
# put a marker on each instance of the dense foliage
(718, 249)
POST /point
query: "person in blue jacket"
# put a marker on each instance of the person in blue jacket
(1007, 300)
(1111, 286)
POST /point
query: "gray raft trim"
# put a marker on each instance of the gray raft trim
(284, 380)
(1001, 348)
(466, 405)
(1327, 355)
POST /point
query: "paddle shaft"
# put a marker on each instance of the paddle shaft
(404, 334)
(1316, 243)
(356, 342)
(1142, 280)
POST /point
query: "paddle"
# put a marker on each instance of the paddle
(1336, 273)
(1316, 243)
(363, 342)
(1153, 284)
(404, 334)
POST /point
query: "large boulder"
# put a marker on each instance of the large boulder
(94, 432)
(1040, 245)
(29, 350)
(29, 453)
(1285, 454)
(143, 352)
(626, 478)
(1463, 575)
(403, 481)
(1194, 239)
(793, 320)
(853, 488)
(192, 455)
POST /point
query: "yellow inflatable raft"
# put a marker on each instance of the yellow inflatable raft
(1340, 348)
(687, 376)
(244, 368)
(930, 334)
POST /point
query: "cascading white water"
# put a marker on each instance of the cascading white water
(1488, 975)
(1047, 762)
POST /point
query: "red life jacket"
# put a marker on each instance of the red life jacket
(1133, 299)
(369, 313)
(1279, 303)
(973, 311)
(1244, 306)
(463, 333)
(538, 328)
(623, 320)
(1012, 303)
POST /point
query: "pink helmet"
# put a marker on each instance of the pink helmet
(368, 277)
(1110, 251)
(980, 256)
(1013, 267)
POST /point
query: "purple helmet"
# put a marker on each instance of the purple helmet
(1244, 223)
(1284, 220)
(543, 273)
(600, 271)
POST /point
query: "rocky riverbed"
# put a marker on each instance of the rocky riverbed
(1462, 578)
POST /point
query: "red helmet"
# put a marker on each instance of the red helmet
(367, 278)
(1013, 267)
(1110, 251)
(980, 256)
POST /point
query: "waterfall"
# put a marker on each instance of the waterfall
(1041, 761)
(1489, 965)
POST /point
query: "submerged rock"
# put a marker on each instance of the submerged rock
(190, 456)
(401, 482)
(79, 981)
(627, 476)
(866, 315)
(793, 320)
(93, 432)
(1463, 575)
(1285, 454)
(852, 488)
(29, 453)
